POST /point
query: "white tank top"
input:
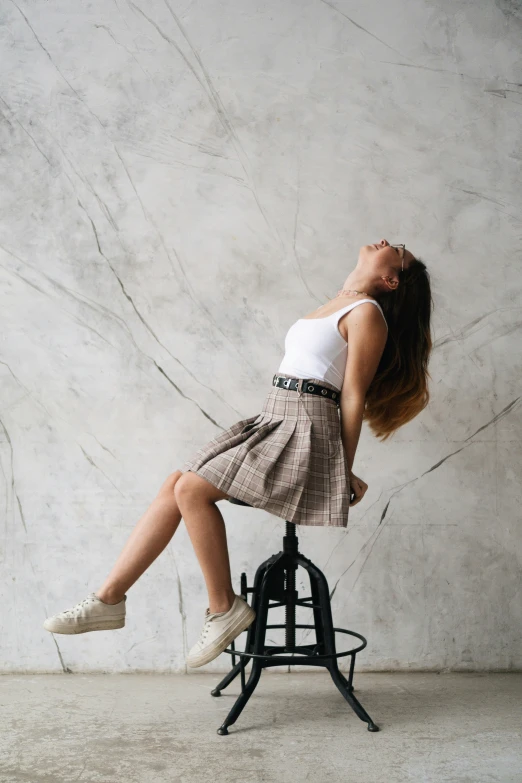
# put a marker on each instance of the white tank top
(315, 348)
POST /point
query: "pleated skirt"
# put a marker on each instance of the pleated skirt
(288, 459)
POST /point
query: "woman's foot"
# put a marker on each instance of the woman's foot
(219, 630)
(91, 614)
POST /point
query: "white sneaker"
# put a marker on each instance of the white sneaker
(219, 630)
(91, 614)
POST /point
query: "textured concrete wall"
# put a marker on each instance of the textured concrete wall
(181, 181)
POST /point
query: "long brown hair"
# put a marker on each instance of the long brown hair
(399, 390)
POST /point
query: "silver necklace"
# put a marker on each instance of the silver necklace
(348, 291)
(345, 291)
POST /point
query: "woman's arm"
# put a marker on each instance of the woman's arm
(367, 334)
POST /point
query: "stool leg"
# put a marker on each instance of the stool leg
(246, 693)
(356, 706)
(318, 617)
(323, 593)
(262, 598)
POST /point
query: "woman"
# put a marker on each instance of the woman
(294, 459)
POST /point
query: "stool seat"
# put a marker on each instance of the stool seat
(275, 585)
(241, 502)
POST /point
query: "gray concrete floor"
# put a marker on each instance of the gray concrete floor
(139, 728)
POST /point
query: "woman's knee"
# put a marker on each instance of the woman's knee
(170, 482)
(191, 485)
(185, 485)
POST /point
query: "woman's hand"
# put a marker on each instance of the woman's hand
(358, 487)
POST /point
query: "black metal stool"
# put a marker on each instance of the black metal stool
(275, 580)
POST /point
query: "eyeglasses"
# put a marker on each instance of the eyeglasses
(403, 254)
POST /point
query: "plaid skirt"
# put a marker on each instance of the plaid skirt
(288, 459)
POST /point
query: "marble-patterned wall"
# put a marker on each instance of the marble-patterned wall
(180, 182)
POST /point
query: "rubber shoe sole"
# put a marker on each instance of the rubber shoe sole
(243, 622)
(95, 625)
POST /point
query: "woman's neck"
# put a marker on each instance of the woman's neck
(358, 282)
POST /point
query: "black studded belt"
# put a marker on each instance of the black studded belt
(310, 387)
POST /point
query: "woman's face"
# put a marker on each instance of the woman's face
(385, 258)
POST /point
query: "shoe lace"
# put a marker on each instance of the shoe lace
(206, 629)
(76, 609)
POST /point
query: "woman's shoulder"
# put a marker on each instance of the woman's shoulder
(336, 305)
(368, 316)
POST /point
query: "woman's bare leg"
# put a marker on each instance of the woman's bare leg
(197, 499)
(148, 539)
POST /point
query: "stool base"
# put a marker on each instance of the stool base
(275, 581)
